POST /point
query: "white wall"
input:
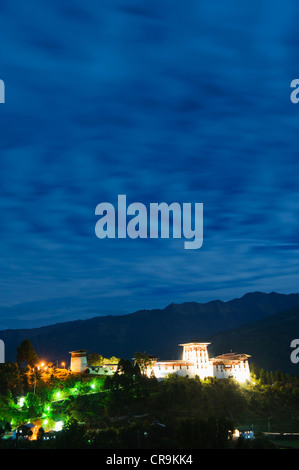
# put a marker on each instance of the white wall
(78, 364)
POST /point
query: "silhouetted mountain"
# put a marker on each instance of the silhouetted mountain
(38, 313)
(156, 332)
(267, 340)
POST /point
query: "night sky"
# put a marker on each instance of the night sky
(162, 101)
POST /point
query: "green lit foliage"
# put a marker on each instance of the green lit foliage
(127, 409)
(33, 405)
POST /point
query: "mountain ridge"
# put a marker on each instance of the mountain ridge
(156, 331)
(268, 340)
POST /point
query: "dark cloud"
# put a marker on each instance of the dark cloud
(161, 102)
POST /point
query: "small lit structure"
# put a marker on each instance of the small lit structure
(78, 360)
(21, 401)
(27, 431)
(104, 369)
(58, 426)
(245, 433)
(79, 364)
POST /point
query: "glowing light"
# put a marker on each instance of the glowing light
(93, 386)
(58, 425)
(22, 400)
(46, 421)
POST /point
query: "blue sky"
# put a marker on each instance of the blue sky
(161, 101)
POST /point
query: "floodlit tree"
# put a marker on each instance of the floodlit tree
(95, 359)
(143, 361)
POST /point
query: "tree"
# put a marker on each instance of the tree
(26, 354)
(34, 405)
(10, 379)
(143, 361)
(41, 433)
(112, 360)
(95, 359)
(73, 436)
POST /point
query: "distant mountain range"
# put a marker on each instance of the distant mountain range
(258, 324)
(267, 341)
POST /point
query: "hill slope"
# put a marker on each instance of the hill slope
(267, 340)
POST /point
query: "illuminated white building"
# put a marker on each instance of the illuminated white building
(231, 365)
(196, 362)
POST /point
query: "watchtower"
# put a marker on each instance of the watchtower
(78, 360)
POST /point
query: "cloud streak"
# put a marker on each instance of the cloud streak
(160, 102)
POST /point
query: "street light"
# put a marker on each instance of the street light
(21, 402)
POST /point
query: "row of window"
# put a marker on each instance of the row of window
(173, 367)
(180, 367)
(221, 367)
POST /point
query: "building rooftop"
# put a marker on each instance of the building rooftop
(230, 357)
(79, 351)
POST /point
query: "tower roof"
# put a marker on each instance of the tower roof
(79, 351)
